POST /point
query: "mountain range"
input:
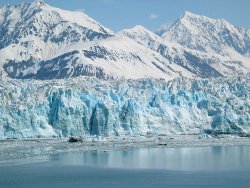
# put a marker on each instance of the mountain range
(133, 82)
(38, 41)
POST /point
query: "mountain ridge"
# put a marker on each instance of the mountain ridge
(200, 25)
(59, 44)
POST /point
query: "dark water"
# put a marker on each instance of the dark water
(149, 167)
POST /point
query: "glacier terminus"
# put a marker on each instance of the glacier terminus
(88, 106)
(64, 74)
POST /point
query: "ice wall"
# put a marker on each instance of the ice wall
(88, 106)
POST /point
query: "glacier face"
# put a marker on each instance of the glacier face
(88, 106)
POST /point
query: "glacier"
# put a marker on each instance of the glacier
(64, 74)
(86, 106)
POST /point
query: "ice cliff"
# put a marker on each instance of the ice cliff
(88, 106)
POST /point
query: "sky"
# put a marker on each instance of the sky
(121, 14)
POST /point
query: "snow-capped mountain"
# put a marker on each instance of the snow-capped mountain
(208, 35)
(42, 42)
(39, 31)
(31, 33)
(214, 37)
(194, 63)
(201, 63)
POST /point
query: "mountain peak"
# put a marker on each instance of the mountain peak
(38, 3)
(207, 34)
(137, 30)
(79, 18)
(139, 27)
(187, 13)
(189, 16)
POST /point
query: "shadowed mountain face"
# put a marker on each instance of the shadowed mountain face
(42, 42)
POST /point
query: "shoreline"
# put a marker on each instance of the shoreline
(15, 149)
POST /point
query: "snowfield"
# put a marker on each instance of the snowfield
(38, 41)
(88, 106)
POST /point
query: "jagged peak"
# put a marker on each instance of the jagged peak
(188, 15)
(79, 18)
(38, 3)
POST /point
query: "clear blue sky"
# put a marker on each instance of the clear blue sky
(120, 14)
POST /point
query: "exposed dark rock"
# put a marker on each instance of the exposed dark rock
(75, 139)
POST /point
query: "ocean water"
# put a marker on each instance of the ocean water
(220, 166)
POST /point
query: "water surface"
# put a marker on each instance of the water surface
(147, 167)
